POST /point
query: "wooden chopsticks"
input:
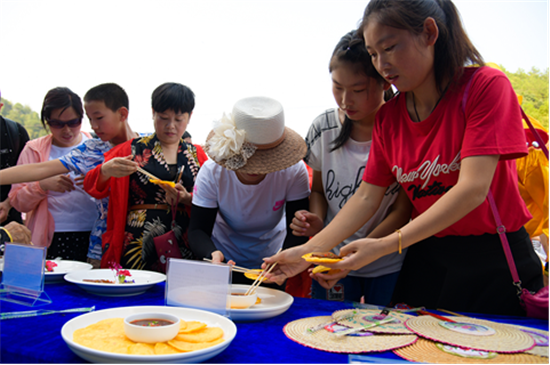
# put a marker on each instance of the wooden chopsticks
(234, 267)
(260, 277)
(148, 174)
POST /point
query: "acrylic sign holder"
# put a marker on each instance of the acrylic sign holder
(198, 285)
(23, 275)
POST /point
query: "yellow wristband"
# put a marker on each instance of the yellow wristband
(400, 239)
(8, 233)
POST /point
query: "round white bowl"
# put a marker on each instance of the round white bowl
(149, 334)
(241, 301)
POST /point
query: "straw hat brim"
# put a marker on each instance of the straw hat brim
(289, 152)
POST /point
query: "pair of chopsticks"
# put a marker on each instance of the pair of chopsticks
(148, 174)
(260, 277)
(233, 267)
(153, 177)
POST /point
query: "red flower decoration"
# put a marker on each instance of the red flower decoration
(124, 273)
(50, 265)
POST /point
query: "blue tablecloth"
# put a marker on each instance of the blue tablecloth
(38, 339)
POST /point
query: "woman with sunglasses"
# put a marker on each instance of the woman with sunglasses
(60, 214)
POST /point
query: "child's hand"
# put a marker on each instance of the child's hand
(119, 167)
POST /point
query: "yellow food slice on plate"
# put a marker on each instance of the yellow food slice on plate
(141, 349)
(183, 325)
(321, 257)
(119, 344)
(207, 334)
(253, 274)
(191, 326)
(108, 335)
(162, 348)
(193, 346)
(324, 269)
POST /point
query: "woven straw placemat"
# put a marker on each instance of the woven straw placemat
(426, 351)
(327, 341)
(537, 350)
(506, 339)
(364, 315)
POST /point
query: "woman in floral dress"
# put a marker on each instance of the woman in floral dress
(139, 209)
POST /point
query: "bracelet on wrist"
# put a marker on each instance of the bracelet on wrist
(400, 239)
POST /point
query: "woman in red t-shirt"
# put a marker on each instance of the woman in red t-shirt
(447, 149)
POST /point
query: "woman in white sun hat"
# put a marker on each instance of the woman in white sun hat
(246, 195)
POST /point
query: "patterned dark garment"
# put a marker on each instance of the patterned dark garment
(142, 225)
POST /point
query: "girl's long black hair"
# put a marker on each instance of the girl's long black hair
(351, 51)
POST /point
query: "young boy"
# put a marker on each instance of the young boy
(106, 106)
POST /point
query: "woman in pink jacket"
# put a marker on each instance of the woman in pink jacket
(60, 214)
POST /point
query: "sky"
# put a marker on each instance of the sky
(223, 50)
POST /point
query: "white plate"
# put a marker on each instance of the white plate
(187, 314)
(274, 302)
(143, 281)
(64, 267)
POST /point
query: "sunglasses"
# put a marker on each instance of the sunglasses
(57, 124)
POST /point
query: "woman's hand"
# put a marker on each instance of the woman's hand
(119, 167)
(326, 280)
(362, 252)
(289, 263)
(306, 224)
(179, 192)
(59, 183)
(218, 258)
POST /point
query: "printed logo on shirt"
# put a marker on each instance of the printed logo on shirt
(336, 293)
(425, 172)
(195, 188)
(278, 205)
(334, 191)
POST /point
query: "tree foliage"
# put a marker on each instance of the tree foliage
(25, 116)
(533, 86)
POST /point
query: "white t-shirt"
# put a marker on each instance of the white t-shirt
(342, 172)
(73, 211)
(250, 224)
